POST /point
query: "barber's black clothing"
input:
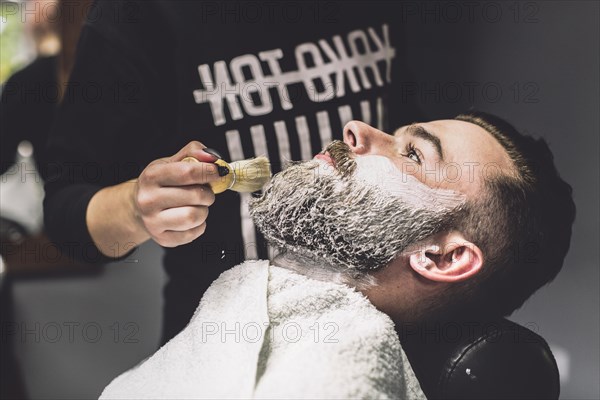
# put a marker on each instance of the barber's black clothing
(27, 109)
(278, 79)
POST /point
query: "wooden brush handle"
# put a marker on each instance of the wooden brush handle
(224, 183)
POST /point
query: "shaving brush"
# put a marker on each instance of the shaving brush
(243, 176)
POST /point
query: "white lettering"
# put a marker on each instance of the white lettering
(251, 85)
(310, 85)
(312, 69)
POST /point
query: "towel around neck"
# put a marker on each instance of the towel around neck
(262, 331)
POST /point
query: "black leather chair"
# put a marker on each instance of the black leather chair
(495, 359)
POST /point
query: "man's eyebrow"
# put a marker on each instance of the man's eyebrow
(420, 132)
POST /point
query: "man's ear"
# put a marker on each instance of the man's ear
(447, 257)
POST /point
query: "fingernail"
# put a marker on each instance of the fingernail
(222, 170)
(212, 152)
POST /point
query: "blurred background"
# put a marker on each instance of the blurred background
(68, 329)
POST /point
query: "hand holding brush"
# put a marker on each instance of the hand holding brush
(169, 201)
(244, 176)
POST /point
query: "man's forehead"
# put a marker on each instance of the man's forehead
(447, 126)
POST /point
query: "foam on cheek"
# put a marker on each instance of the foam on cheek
(380, 172)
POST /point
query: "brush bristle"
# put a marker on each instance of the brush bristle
(251, 175)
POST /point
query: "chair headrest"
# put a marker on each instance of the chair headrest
(479, 360)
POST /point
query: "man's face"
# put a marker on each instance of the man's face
(361, 203)
(447, 154)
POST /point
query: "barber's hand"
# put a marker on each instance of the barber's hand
(171, 197)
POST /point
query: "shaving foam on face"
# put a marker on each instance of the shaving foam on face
(380, 171)
(323, 168)
(358, 217)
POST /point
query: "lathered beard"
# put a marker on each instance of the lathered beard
(359, 215)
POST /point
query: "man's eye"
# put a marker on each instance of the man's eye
(412, 153)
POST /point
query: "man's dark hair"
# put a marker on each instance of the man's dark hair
(522, 223)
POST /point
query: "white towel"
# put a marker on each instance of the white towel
(262, 331)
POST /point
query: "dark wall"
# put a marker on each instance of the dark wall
(536, 65)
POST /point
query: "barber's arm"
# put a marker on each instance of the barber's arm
(167, 203)
(104, 194)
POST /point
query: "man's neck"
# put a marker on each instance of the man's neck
(315, 267)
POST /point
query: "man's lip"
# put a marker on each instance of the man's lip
(325, 157)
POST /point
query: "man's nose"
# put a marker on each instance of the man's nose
(364, 139)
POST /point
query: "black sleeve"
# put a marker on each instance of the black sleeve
(10, 134)
(107, 108)
(27, 108)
